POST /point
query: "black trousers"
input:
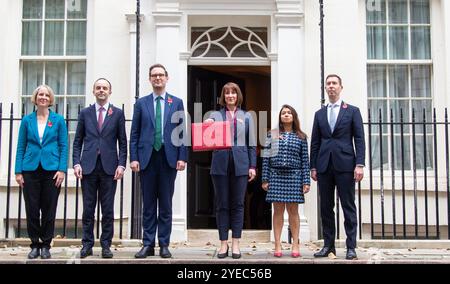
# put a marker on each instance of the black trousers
(41, 197)
(103, 185)
(229, 193)
(345, 185)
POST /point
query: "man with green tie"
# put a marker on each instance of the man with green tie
(157, 154)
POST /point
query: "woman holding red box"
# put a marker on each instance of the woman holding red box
(233, 168)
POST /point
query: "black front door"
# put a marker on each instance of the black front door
(204, 88)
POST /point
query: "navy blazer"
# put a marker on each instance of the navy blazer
(89, 140)
(51, 153)
(243, 149)
(143, 131)
(339, 143)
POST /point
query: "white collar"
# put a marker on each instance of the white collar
(97, 106)
(338, 103)
(163, 96)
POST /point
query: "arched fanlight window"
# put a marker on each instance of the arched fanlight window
(229, 42)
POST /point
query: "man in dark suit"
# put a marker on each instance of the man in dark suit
(100, 131)
(337, 160)
(157, 151)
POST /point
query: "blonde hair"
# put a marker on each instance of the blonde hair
(50, 92)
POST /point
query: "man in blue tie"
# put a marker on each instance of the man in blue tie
(157, 151)
(337, 160)
(99, 158)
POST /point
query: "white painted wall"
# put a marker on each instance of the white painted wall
(444, 24)
(108, 49)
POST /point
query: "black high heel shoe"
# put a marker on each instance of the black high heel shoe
(223, 255)
(236, 255)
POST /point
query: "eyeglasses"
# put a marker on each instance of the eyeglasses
(157, 75)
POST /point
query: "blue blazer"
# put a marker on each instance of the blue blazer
(243, 149)
(89, 140)
(143, 131)
(51, 153)
(345, 144)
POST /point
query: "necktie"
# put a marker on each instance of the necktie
(158, 137)
(100, 118)
(332, 117)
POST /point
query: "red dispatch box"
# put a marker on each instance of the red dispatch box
(211, 136)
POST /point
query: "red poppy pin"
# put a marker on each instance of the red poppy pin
(110, 111)
(49, 123)
(169, 100)
(344, 105)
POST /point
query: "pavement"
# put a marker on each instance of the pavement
(253, 253)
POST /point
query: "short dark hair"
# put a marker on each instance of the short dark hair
(336, 76)
(155, 66)
(101, 78)
(232, 86)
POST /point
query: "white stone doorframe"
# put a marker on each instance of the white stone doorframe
(169, 20)
(288, 77)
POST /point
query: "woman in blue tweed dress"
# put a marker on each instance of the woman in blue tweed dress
(285, 174)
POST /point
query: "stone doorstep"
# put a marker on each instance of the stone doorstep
(394, 244)
(68, 242)
(195, 238)
(380, 244)
(202, 237)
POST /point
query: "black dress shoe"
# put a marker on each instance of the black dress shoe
(85, 252)
(223, 255)
(351, 254)
(145, 251)
(106, 253)
(45, 253)
(325, 251)
(164, 252)
(35, 252)
(236, 255)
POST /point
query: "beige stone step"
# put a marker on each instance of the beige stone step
(202, 237)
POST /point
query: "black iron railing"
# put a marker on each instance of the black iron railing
(400, 197)
(430, 189)
(73, 229)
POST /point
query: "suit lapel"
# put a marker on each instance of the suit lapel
(324, 117)
(342, 112)
(167, 108)
(240, 122)
(50, 122)
(150, 109)
(109, 113)
(223, 112)
(34, 126)
(93, 116)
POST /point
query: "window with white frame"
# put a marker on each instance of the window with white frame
(54, 53)
(399, 76)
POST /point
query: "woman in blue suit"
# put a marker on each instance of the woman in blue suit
(232, 169)
(41, 163)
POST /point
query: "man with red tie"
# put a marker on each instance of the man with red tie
(99, 158)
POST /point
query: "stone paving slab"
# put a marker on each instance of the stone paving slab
(253, 253)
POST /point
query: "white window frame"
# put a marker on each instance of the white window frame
(403, 62)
